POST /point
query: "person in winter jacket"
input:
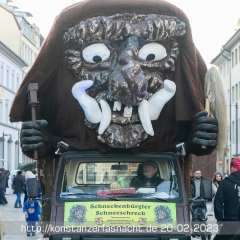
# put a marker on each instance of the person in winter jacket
(196, 185)
(3, 180)
(226, 202)
(18, 183)
(217, 178)
(32, 210)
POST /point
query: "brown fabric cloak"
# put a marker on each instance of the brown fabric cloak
(63, 113)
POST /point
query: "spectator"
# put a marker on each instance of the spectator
(34, 171)
(7, 173)
(197, 189)
(18, 183)
(226, 202)
(217, 178)
(3, 180)
(149, 176)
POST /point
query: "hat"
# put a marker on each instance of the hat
(235, 163)
(150, 163)
(19, 172)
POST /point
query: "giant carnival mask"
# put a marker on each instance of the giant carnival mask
(122, 64)
(117, 74)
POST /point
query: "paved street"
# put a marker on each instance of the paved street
(15, 223)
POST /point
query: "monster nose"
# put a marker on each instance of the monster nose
(128, 83)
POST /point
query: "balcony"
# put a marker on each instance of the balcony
(29, 32)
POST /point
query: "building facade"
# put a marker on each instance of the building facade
(228, 63)
(20, 42)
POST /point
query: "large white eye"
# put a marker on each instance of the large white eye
(95, 53)
(152, 52)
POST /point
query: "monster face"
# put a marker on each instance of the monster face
(122, 64)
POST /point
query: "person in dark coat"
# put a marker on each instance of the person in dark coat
(7, 173)
(3, 180)
(149, 176)
(18, 182)
(226, 202)
(197, 189)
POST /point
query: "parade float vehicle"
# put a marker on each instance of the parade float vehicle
(117, 83)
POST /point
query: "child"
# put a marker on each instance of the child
(32, 210)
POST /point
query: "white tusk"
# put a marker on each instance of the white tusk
(127, 112)
(89, 105)
(117, 106)
(106, 116)
(160, 98)
(143, 112)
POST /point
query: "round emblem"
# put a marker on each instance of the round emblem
(115, 185)
(31, 210)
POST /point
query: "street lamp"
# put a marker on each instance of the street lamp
(10, 138)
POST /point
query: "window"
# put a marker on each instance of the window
(236, 91)
(23, 51)
(17, 82)
(224, 70)
(28, 57)
(7, 78)
(16, 154)
(236, 56)
(1, 152)
(238, 133)
(1, 73)
(239, 89)
(233, 133)
(232, 59)
(13, 79)
(31, 57)
(221, 71)
(85, 177)
(233, 94)
(1, 110)
(228, 67)
(228, 96)
(6, 111)
(239, 53)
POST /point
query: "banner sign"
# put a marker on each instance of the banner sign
(121, 213)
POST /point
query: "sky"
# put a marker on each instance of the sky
(213, 22)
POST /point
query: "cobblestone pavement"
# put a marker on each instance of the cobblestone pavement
(15, 223)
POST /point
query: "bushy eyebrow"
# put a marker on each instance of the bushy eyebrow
(119, 26)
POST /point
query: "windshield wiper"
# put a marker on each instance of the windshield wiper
(73, 194)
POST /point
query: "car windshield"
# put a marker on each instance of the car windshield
(126, 178)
